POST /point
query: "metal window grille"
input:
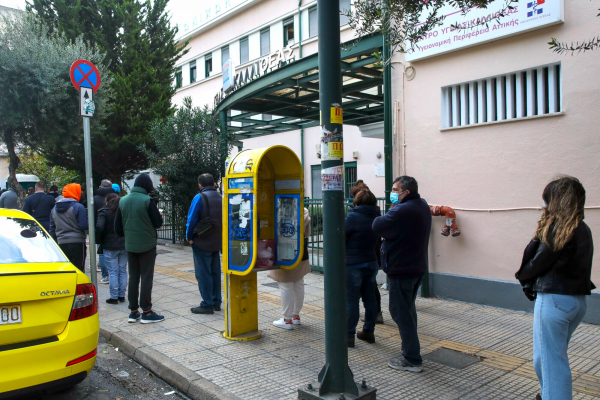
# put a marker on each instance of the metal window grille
(265, 42)
(528, 93)
(313, 29)
(244, 51)
(224, 56)
(349, 177)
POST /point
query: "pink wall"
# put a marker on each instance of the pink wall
(505, 164)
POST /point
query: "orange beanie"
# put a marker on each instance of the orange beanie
(72, 191)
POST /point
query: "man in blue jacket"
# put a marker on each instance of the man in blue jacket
(207, 204)
(405, 228)
(39, 205)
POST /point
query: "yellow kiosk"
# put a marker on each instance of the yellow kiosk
(263, 229)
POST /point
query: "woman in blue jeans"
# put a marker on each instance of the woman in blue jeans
(556, 273)
(361, 265)
(113, 245)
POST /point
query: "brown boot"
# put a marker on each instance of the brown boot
(367, 337)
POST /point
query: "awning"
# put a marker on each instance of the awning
(290, 94)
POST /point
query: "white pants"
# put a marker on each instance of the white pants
(292, 297)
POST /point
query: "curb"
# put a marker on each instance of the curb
(183, 379)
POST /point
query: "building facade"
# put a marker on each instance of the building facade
(483, 118)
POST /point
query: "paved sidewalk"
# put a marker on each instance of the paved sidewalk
(276, 365)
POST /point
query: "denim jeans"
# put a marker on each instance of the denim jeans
(403, 293)
(555, 318)
(102, 263)
(207, 266)
(116, 264)
(361, 282)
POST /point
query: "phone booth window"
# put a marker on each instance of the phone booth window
(240, 230)
(288, 228)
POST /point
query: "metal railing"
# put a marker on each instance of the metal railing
(315, 241)
(167, 230)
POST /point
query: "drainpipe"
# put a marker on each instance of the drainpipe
(450, 228)
(300, 56)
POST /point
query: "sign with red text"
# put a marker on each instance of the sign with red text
(526, 15)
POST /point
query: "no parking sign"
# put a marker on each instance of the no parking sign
(85, 74)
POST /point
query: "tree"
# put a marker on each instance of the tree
(35, 164)
(187, 144)
(141, 53)
(563, 47)
(405, 22)
(38, 102)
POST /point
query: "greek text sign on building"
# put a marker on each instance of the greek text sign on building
(526, 15)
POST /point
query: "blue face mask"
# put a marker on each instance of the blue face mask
(394, 198)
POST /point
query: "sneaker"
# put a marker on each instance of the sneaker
(134, 317)
(217, 308)
(401, 364)
(367, 337)
(202, 310)
(150, 317)
(282, 323)
(103, 281)
(112, 301)
(296, 320)
(351, 342)
(121, 299)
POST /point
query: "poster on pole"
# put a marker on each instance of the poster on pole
(333, 178)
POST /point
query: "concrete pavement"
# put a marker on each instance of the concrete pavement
(189, 352)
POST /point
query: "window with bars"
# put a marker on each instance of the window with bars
(178, 79)
(244, 51)
(528, 93)
(265, 42)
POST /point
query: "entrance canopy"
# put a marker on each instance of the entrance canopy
(290, 94)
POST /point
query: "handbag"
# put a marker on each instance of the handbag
(205, 224)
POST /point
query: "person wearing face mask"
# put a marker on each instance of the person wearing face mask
(405, 228)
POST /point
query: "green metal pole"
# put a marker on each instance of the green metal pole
(335, 377)
(223, 119)
(387, 120)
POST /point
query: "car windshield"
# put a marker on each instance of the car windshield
(24, 241)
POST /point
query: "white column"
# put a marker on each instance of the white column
(520, 95)
(510, 96)
(500, 96)
(473, 103)
(529, 87)
(541, 92)
(491, 100)
(455, 105)
(481, 108)
(553, 89)
(464, 104)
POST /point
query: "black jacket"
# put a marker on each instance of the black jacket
(405, 228)
(361, 241)
(39, 205)
(567, 271)
(105, 231)
(100, 199)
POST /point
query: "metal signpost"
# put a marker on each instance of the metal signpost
(335, 381)
(86, 78)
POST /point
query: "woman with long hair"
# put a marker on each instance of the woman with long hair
(556, 273)
(113, 246)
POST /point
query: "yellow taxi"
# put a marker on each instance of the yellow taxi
(48, 311)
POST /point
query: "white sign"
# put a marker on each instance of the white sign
(526, 15)
(227, 76)
(85, 96)
(380, 169)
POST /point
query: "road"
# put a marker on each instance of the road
(116, 377)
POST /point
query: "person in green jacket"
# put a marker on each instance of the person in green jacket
(138, 219)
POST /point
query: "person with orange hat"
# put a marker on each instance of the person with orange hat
(68, 223)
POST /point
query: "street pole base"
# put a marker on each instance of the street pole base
(311, 392)
(244, 337)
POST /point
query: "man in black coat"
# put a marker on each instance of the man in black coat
(405, 228)
(39, 205)
(99, 202)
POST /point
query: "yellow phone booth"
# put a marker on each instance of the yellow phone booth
(263, 229)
